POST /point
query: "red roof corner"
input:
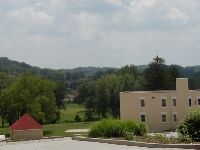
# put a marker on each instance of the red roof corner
(25, 122)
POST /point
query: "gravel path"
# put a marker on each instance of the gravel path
(65, 144)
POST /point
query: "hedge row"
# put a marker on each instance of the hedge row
(118, 128)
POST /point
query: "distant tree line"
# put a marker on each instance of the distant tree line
(101, 96)
(41, 92)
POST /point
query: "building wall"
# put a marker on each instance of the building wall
(130, 106)
(26, 134)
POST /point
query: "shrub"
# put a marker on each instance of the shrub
(138, 128)
(185, 139)
(107, 128)
(162, 138)
(190, 127)
(77, 118)
(118, 128)
(142, 129)
(129, 136)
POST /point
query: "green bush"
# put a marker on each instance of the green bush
(190, 127)
(142, 129)
(129, 136)
(185, 139)
(162, 138)
(107, 128)
(118, 128)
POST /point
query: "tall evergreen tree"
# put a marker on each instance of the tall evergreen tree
(155, 74)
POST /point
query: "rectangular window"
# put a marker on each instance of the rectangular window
(174, 117)
(198, 101)
(164, 117)
(174, 102)
(142, 116)
(190, 102)
(142, 103)
(164, 102)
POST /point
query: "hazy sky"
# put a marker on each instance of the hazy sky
(72, 33)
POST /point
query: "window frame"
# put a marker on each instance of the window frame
(142, 99)
(143, 114)
(189, 101)
(163, 113)
(175, 120)
(163, 98)
(198, 100)
(174, 101)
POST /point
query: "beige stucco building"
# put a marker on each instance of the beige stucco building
(160, 110)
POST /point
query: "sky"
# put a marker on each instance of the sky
(101, 33)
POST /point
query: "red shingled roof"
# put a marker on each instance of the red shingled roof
(25, 122)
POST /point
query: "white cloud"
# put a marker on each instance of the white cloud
(99, 33)
(31, 16)
(176, 14)
(89, 26)
(115, 2)
(144, 3)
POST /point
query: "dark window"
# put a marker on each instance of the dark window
(199, 101)
(164, 118)
(175, 117)
(163, 102)
(190, 102)
(142, 103)
(142, 117)
(174, 102)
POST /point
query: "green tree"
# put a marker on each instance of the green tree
(156, 74)
(129, 69)
(102, 98)
(90, 105)
(108, 88)
(30, 94)
(5, 81)
(131, 78)
(114, 86)
(89, 97)
(60, 92)
(173, 72)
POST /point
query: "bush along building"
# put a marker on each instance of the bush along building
(160, 110)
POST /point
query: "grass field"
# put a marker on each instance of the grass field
(66, 122)
(68, 114)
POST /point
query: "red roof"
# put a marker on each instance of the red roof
(25, 122)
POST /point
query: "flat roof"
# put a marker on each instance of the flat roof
(157, 91)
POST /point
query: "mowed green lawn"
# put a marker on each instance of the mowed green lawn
(66, 122)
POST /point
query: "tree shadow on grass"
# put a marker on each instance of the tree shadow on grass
(68, 121)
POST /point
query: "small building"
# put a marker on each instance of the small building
(159, 110)
(26, 128)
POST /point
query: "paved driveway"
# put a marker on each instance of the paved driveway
(65, 144)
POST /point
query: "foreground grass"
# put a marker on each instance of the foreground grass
(59, 129)
(66, 122)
